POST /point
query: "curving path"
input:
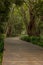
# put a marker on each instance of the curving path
(18, 52)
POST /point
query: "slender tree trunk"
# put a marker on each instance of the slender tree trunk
(9, 25)
(25, 19)
(9, 31)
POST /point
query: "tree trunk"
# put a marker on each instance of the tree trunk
(9, 31)
(31, 25)
(25, 19)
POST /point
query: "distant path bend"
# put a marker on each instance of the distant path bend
(18, 52)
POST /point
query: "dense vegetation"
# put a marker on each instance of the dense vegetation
(19, 17)
(30, 12)
(33, 39)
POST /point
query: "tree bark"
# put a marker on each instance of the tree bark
(31, 25)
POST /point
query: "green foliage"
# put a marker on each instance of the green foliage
(37, 10)
(1, 45)
(1, 42)
(33, 39)
(38, 7)
(18, 28)
(1, 55)
(18, 2)
(26, 38)
(17, 22)
(4, 10)
(1, 29)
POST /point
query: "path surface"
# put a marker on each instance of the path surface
(19, 52)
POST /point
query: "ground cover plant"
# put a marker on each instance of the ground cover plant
(33, 39)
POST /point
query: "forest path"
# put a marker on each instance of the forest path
(18, 52)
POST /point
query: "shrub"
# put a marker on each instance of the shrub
(33, 39)
(1, 42)
(1, 55)
(1, 45)
(26, 38)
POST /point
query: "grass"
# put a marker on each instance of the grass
(33, 39)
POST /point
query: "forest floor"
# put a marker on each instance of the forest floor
(18, 52)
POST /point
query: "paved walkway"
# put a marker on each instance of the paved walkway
(19, 52)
